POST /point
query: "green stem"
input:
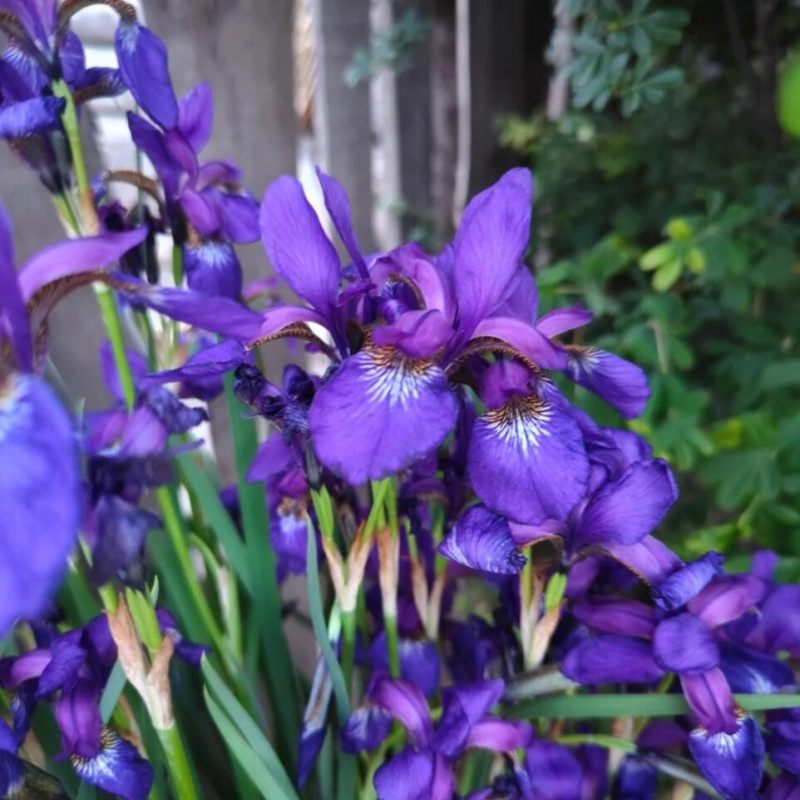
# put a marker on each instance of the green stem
(393, 644)
(178, 765)
(110, 314)
(348, 647)
(177, 265)
(69, 119)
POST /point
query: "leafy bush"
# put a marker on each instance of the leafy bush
(678, 227)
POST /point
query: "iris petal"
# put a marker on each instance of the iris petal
(626, 510)
(40, 487)
(733, 763)
(685, 644)
(405, 702)
(30, 117)
(338, 206)
(213, 268)
(408, 776)
(683, 584)
(611, 659)
(620, 383)
(196, 115)
(482, 540)
(710, 698)
(143, 63)
(617, 615)
(526, 460)
(380, 413)
(297, 246)
(117, 768)
(489, 246)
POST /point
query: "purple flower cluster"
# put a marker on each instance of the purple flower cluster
(489, 534)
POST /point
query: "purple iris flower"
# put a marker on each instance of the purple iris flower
(206, 206)
(39, 477)
(76, 666)
(639, 644)
(127, 454)
(421, 320)
(423, 769)
(615, 518)
(41, 50)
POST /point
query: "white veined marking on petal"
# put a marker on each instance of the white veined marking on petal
(726, 744)
(394, 377)
(15, 408)
(583, 358)
(104, 763)
(215, 254)
(521, 423)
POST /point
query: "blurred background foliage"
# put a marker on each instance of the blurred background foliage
(667, 202)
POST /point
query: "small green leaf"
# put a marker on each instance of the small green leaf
(144, 618)
(667, 275)
(789, 96)
(658, 256)
(696, 260)
(679, 229)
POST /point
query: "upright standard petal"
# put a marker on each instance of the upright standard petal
(620, 383)
(297, 246)
(196, 116)
(339, 208)
(727, 598)
(380, 412)
(526, 460)
(482, 540)
(462, 708)
(144, 65)
(650, 559)
(489, 246)
(733, 763)
(626, 510)
(405, 702)
(40, 487)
